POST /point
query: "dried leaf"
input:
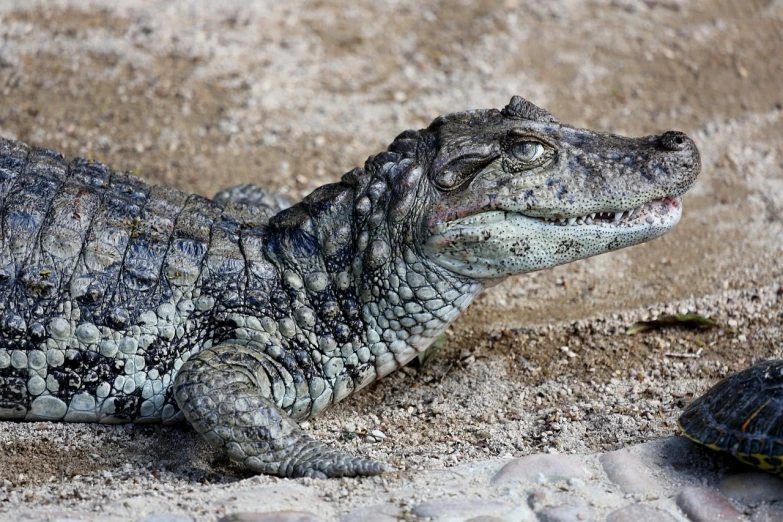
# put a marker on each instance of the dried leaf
(687, 320)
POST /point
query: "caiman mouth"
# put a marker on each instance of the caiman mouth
(650, 212)
(499, 243)
(664, 211)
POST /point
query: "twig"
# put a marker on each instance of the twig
(685, 355)
(440, 381)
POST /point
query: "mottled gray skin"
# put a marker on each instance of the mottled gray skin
(123, 302)
(742, 415)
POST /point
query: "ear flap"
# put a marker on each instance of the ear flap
(460, 169)
(519, 107)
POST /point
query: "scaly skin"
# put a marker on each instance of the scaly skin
(128, 303)
(742, 415)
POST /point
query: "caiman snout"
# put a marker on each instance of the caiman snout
(680, 161)
(676, 140)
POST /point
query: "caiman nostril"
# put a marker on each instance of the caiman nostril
(674, 140)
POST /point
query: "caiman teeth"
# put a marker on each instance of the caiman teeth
(610, 217)
(590, 219)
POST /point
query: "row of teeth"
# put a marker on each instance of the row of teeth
(588, 220)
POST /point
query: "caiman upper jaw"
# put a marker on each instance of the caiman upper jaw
(618, 218)
(644, 213)
(614, 185)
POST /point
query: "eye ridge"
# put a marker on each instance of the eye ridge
(528, 151)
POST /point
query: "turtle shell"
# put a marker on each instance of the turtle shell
(742, 415)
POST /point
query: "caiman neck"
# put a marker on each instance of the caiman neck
(346, 246)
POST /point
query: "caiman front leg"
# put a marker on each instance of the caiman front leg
(253, 196)
(251, 203)
(225, 392)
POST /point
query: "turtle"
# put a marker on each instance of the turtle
(742, 415)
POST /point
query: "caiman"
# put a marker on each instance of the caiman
(125, 302)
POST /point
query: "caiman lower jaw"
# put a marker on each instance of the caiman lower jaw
(501, 243)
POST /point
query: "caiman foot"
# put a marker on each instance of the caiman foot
(307, 457)
(223, 392)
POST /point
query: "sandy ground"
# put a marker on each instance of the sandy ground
(292, 94)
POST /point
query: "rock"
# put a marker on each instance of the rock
(461, 507)
(628, 472)
(541, 468)
(275, 516)
(567, 514)
(377, 513)
(707, 505)
(752, 488)
(55, 516)
(639, 513)
(559, 506)
(768, 513)
(166, 517)
(284, 497)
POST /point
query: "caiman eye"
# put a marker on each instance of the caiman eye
(527, 151)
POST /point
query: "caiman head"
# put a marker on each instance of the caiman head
(498, 193)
